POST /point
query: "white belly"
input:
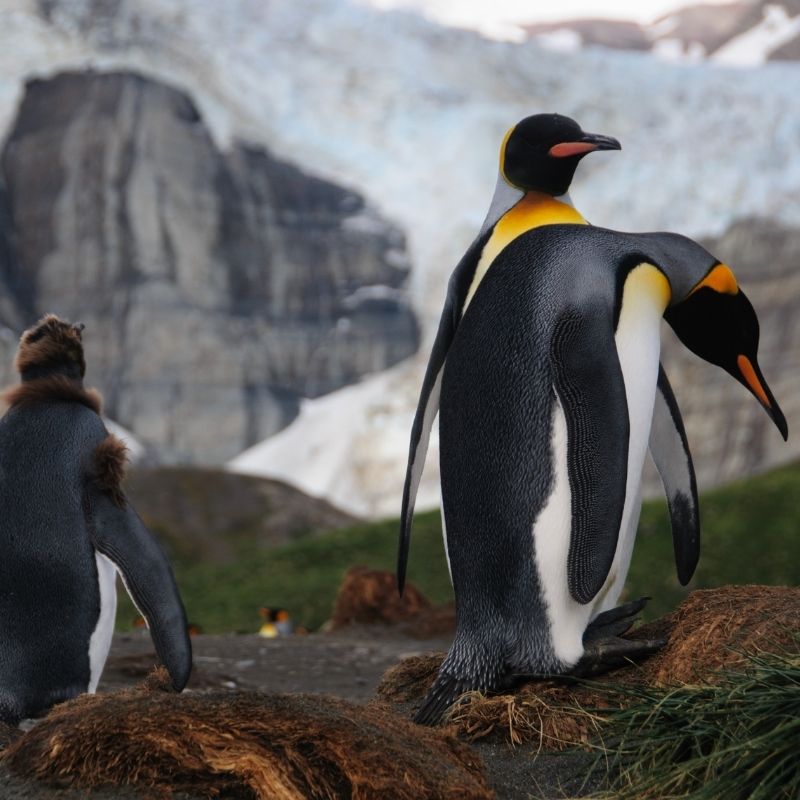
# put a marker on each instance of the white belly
(100, 642)
(638, 346)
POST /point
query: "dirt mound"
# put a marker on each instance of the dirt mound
(245, 745)
(710, 631)
(370, 596)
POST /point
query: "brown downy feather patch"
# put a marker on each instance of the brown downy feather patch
(109, 462)
(51, 341)
(711, 630)
(53, 388)
(245, 745)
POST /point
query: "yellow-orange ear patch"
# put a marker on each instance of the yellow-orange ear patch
(721, 279)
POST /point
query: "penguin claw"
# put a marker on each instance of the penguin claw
(604, 654)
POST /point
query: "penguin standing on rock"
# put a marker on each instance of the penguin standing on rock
(66, 529)
(545, 373)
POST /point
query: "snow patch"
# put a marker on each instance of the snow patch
(349, 447)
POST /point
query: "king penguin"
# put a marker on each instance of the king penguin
(67, 529)
(545, 373)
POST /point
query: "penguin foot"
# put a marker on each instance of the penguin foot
(445, 691)
(604, 649)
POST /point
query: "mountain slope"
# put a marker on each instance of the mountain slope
(744, 33)
(411, 115)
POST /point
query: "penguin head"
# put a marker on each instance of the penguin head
(717, 322)
(541, 153)
(51, 346)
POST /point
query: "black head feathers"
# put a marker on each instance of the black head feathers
(541, 152)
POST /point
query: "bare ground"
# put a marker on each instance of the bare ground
(348, 665)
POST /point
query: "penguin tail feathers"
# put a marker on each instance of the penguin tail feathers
(442, 695)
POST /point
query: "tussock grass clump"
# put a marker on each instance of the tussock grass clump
(553, 717)
(370, 597)
(244, 745)
(735, 739)
(714, 629)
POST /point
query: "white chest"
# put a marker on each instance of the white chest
(637, 339)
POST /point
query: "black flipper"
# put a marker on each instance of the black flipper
(670, 451)
(591, 389)
(120, 535)
(428, 404)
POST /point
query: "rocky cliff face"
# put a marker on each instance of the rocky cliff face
(218, 289)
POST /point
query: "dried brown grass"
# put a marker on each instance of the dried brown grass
(713, 628)
(710, 631)
(244, 745)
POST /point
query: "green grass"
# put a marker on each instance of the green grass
(736, 739)
(750, 534)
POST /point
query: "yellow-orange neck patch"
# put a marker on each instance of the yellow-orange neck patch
(534, 210)
(503, 154)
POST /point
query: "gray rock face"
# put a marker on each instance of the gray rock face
(218, 289)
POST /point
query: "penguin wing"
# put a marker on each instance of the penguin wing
(120, 535)
(591, 389)
(428, 404)
(670, 450)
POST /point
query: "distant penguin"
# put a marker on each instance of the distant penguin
(545, 372)
(277, 622)
(66, 529)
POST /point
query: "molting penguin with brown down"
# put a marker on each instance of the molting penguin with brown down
(66, 529)
(545, 374)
